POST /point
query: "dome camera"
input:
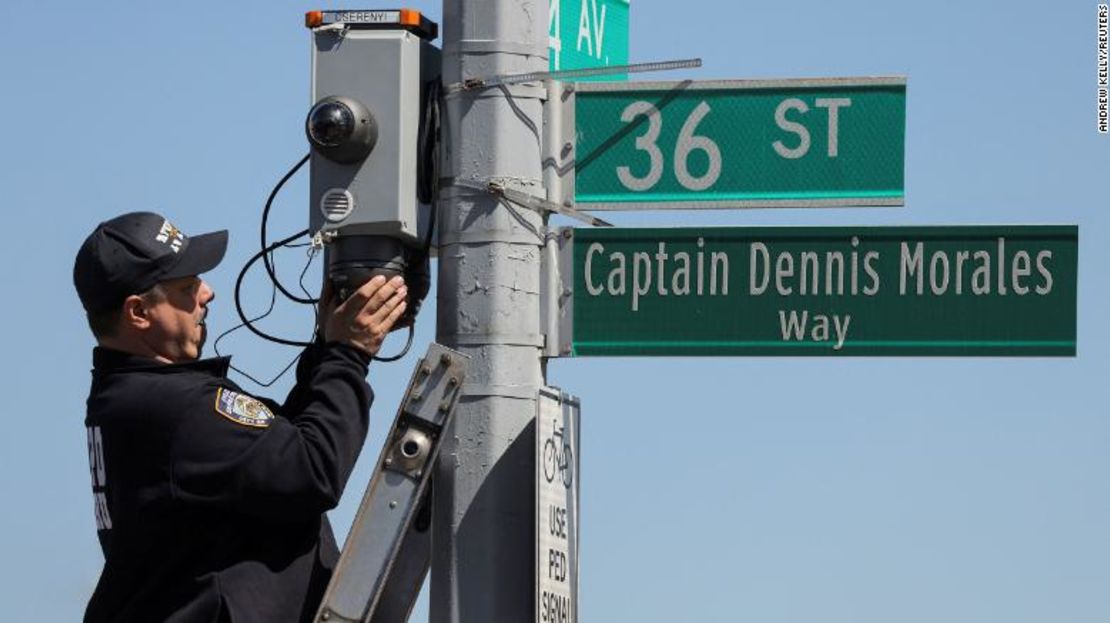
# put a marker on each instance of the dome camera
(341, 129)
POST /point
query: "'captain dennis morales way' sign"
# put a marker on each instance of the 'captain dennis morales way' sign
(960, 290)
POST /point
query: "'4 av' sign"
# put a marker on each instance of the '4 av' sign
(739, 143)
(958, 290)
(584, 34)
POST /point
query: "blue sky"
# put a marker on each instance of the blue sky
(732, 489)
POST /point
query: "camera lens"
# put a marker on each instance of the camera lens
(330, 124)
(341, 129)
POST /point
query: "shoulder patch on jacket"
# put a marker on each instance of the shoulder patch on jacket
(242, 409)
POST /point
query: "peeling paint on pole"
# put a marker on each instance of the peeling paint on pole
(483, 516)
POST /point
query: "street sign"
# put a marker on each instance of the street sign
(953, 290)
(738, 143)
(557, 476)
(587, 33)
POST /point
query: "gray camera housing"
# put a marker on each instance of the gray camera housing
(386, 70)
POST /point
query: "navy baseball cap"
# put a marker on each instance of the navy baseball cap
(132, 253)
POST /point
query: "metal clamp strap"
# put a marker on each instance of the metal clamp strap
(570, 74)
(493, 46)
(452, 187)
(523, 392)
(449, 189)
(506, 339)
(531, 202)
(514, 91)
(489, 235)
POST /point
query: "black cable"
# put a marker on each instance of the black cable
(427, 174)
(264, 253)
(265, 218)
(427, 181)
(404, 351)
(249, 323)
(239, 285)
(300, 282)
(219, 338)
(269, 310)
(428, 170)
(271, 381)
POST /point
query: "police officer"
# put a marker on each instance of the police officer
(209, 502)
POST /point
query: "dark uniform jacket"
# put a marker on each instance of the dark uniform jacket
(209, 502)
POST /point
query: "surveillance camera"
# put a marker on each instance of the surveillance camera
(341, 129)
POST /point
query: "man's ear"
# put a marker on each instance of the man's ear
(134, 313)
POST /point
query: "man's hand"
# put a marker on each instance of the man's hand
(368, 315)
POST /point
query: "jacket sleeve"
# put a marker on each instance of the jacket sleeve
(226, 453)
(307, 364)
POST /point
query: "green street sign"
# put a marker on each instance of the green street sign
(956, 290)
(739, 143)
(584, 34)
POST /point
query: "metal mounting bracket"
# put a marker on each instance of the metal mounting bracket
(471, 84)
(532, 202)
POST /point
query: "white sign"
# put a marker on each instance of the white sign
(557, 476)
(370, 17)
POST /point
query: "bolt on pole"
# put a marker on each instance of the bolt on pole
(483, 528)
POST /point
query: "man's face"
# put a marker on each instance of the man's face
(177, 329)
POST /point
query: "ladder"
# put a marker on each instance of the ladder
(388, 550)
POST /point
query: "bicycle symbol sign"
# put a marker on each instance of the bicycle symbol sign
(558, 458)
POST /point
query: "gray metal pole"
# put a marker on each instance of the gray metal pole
(483, 527)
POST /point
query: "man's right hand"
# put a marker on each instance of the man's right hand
(367, 316)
